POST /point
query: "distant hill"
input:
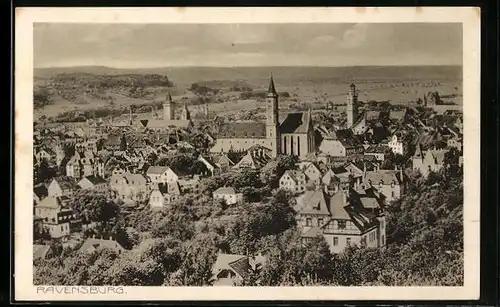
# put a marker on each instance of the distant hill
(73, 88)
(346, 74)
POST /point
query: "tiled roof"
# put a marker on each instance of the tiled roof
(337, 206)
(135, 179)
(294, 174)
(66, 183)
(438, 156)
(101, 243)
(156, 170)
(385, 176)
(238, 263)
(312, 232)
(243, 130)
(295, 123)
(313, 202)
(346, 137)
(95, 179)
(376, 149)
(50, 202)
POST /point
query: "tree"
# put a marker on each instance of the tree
(94, 206)
(198, 256)
(45, 172)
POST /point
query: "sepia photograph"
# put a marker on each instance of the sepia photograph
(248, 155)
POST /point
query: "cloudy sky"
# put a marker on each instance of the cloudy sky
(164, 45)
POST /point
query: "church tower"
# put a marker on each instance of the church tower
(352, 105)
(169, 108)
(185, 115)
(272, 121)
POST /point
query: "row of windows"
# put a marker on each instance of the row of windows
(336, 241)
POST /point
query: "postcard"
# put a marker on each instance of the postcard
(239, 153)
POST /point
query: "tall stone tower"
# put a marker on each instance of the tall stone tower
(352, 105)
(272, 121)
(169, 108)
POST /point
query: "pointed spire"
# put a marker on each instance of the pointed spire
(272, 89)
(169, 97)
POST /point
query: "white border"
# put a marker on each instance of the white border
(469, 17)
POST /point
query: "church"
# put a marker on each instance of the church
(169, 120)
(291, 135)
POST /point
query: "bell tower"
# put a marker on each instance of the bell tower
(272, 121)
(168, 108)
(352, 105)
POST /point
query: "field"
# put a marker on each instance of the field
(305, 85)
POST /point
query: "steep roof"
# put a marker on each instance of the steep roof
(156, 170)
(252, 161)
(272, 90)
(135, 179)
(385, 176)
(337, 206)
(345, 136)
(95, 179)
(312, 232)
(296, 123)
(50, 202)
(438, 156)
(314, 202)
(243, 130)
(66, 183)
(238, 263)
(294, 174)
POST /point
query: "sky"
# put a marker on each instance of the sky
(171, 45)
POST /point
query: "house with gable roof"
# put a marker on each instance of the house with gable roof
(62, 186)
(55, 215)
(94, 244)
(232, 270)
(132, 187)
(228, 194)
(252, 160)
(341, 143)
(313, 173)
(294, 181)
(431, 160)
(389, 183)
(339, 221)
(95, 183)
(164, 194)
(161, 174)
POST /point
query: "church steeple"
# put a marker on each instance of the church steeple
(272, 119)
(185, 113)
(168, 108)
(271, 92)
